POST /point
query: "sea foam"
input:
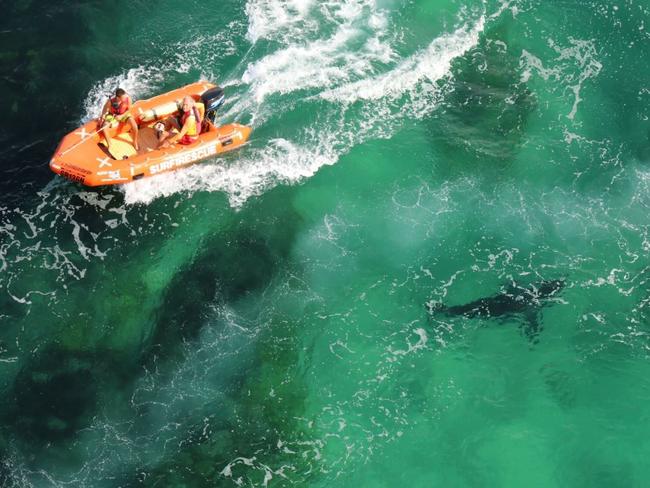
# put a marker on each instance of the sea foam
(353, 63)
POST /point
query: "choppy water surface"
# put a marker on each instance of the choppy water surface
(295, 313)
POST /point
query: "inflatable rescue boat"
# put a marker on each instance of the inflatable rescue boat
(82, 155)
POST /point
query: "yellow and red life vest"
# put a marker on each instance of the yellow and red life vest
(119, 107)
(195, 125)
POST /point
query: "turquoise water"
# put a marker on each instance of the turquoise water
(281, 316)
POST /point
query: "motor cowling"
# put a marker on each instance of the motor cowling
(213, 99)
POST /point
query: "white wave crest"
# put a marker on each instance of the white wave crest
(331, 133)
(136, 81)
(431, 64)
(267, 18)
(253, 173)
(411, 90)
(357, 44)
(322, 63)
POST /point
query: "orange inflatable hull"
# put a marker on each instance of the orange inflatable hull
(82, 156)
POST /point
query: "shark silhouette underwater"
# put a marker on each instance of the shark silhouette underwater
(514, 300)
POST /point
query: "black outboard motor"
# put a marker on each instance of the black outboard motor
(213, 99)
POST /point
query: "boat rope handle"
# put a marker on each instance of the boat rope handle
(83, 139)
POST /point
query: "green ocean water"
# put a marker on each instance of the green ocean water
(282, 316)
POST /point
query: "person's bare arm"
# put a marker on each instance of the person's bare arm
(183, 131)
(105, 109)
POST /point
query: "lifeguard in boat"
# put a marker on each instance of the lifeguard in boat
(185, 128)
(117, 112)
(136, 140)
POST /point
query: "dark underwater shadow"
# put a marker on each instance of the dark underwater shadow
(245, 423)
(524, 302)
(45, 73)
(59, 390)
(481, 123)
(241, 260)
(41, 68)
(57, 393)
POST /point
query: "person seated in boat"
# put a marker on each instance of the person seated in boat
(189, 125)
(117, 111)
